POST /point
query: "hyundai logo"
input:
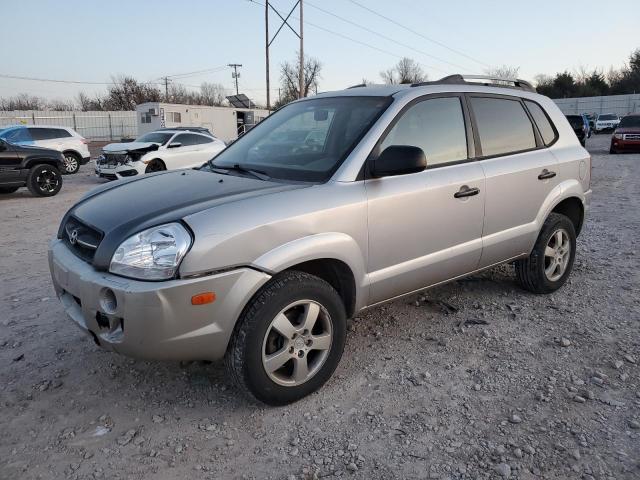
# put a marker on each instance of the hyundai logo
(73, 237)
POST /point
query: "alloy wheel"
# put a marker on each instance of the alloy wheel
(557, 255)
(297, 343)
(47, 181)
(71, 163)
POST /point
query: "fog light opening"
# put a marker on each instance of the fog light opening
(108, 301)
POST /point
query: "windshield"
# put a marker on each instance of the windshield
(305, 141)
(575, 121)
(607, 117)
(155, 137)
(630, 121)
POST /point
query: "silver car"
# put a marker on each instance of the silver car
(332, 205)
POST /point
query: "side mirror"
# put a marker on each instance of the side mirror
(174, 145)
(399, 160)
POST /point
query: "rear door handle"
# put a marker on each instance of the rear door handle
(465, 191)
(546, 174)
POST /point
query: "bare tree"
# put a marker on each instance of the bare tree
(504, 71)
(61, 105)
(212, 94)
(406, 70)
(127, 92)
(89, 104)
(22, 101)
(289, 77)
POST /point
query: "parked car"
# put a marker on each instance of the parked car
(580, 126)
(166, 149)
(73, 146)
(261, 255)
(36, 168)
(626, 137)
(606, 122)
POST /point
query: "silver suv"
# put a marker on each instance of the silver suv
(332, 205)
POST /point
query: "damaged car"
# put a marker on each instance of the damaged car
(155, 152)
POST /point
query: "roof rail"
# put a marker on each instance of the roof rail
(357, 86)
(486, 80)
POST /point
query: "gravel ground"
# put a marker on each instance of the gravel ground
(473, 380)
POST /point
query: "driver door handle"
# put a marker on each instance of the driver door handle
(546, 174)
(466, 191)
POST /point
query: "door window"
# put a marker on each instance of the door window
(188, 139)
(436, 126)
(503, 126)
(19, 135)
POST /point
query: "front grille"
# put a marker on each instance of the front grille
(631, 136)
(109, 176)
(113, 159)
(81, 239)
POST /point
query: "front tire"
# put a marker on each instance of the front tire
(155, 165)
(44, 180)
(71, 163)
(289, 339)
(549, 264)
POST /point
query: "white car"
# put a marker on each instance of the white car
(156, 151)
(73, 146)
(606, 121)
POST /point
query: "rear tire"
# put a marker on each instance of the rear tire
(5, 190)
(71, 163)
(551, 260)
(289, 339)
(44, 180)
(155, 165)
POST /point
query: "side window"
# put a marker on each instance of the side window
(175, 117)
(59, 133)
(19, 135)
(542, 121)
(188, 139)
(39, 134)
(503, 126)
(436, 126)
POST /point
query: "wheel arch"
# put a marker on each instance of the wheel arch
(572, 208)
(33, 161)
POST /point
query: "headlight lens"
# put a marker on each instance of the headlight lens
(617, 136)
(153, 254)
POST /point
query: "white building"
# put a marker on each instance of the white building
(224, 122)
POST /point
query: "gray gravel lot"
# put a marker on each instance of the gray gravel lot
(472, 380)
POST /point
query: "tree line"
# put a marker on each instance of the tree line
(126, 92)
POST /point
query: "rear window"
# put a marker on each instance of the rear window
(607, 117)
(545, 128)
(631, 121)
(575, 121)
(503, 126)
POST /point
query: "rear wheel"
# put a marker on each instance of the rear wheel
(549, 264)
(155, 165)
(4, 190)
(44, 180)
(71, 163)
(289, 340)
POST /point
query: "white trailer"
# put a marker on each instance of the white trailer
(224, 122)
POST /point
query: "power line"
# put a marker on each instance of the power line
(346, 37)
(386, 37)
(198, 72)
(419, 34)
(51, 80)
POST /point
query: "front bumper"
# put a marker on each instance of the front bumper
(621, 145)
(116, 172)
(152, 320)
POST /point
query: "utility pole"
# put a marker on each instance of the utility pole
(235, 73)
(301, 73)
(266, 47)
(166, 88)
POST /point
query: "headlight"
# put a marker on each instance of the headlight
(153, 254)
(617, 136)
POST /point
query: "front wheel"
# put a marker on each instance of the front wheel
(44, 180)
(155, 165)
(289, 340)
(548, 266)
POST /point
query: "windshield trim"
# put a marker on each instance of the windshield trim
(388, 100)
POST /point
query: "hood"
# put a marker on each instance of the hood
(49, 152)
(628, 130)
(121, 209)
(130, 147)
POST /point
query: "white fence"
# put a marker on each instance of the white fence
(91, 125)
(618, 104)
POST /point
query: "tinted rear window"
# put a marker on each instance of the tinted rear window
(542, 121)
(607, 117)
(575, 121)
(503, 126)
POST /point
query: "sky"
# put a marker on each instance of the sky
(92, 40)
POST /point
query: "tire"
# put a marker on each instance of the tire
(44, 180)
(5, 190)
(612, 151)
(155, 165)
(255, 339)
(532, 272)
(71, 163)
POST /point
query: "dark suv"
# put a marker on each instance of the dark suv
(36, 168)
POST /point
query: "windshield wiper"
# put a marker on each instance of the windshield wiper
(259, 174)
